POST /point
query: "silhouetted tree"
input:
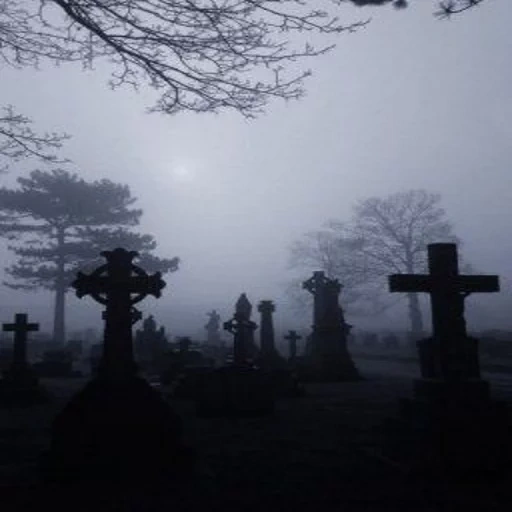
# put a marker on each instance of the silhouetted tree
(202, 56)
(61, 224)
(385, 236)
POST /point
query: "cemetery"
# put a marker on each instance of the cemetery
(260, 427)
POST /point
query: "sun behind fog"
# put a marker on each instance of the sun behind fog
(182, 174)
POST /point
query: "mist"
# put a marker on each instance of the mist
(407, 102)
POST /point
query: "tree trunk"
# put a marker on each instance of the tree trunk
(59, 328)
(415, 315)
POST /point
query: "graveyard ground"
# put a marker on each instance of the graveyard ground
(317, 451)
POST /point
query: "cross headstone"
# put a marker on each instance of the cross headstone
(447, 289)
(119, 284)
(292, 337)
(242, 327)
(20, 327)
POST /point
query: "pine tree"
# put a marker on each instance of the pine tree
(59, 223)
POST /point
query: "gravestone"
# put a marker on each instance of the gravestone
(452, 421)
(292, 337)
(212, 329)
(242, 327)
(118, 429)
(150, 345)
(239, 389)
(329, 359)
(269, 358)
(19, 385)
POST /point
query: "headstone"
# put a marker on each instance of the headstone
(212, 329)
(20, 385)
(329, 359)
(242, 327)
(150, 345)
(239, 389)
(452, 421)
(118, 428)
(269, 357)
(292, 337)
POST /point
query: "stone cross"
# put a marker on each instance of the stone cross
(447, 289)
(119, 284)
(20, 327)
(292, 337)
(267, 342)
(243, 330)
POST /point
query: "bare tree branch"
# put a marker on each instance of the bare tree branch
(199, 55)
(18, 140)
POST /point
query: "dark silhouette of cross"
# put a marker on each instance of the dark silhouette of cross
(447, 289)
(113, 285)
(292, 337)
(20, 327)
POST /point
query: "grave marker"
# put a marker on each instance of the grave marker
(119, 284)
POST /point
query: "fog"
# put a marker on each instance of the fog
(407, 102)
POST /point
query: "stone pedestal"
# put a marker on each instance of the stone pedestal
(119, 432)
(235, 391)
(450, 427)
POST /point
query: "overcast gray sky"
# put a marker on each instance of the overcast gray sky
(407, 102)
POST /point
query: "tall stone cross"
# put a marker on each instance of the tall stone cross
(292, 337)
(20, 327)
(267, 343)
(447, 289)
(119, 284)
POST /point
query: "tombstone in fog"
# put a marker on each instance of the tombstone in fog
(150, 345)
(242, 328)
(292, 337)
(452, 408)
(213, 329)
(20, 385)
(269, 357)
(329, 359)
(238, 389)
(118, 427)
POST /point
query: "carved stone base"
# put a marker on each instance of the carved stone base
(235, 391)
(450, 426)
(124, 432)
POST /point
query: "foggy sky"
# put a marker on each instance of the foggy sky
(407, 102)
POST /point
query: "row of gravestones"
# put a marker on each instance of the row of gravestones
(118, 426)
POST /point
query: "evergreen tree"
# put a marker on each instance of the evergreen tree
(59, 223)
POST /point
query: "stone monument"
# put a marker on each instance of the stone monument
(20, 384)
(452, 421)
(328, 358)
(118, 428)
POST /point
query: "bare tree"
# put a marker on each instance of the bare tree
(385, 236)
(200, 55)
(18, 140)
(394, 233)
